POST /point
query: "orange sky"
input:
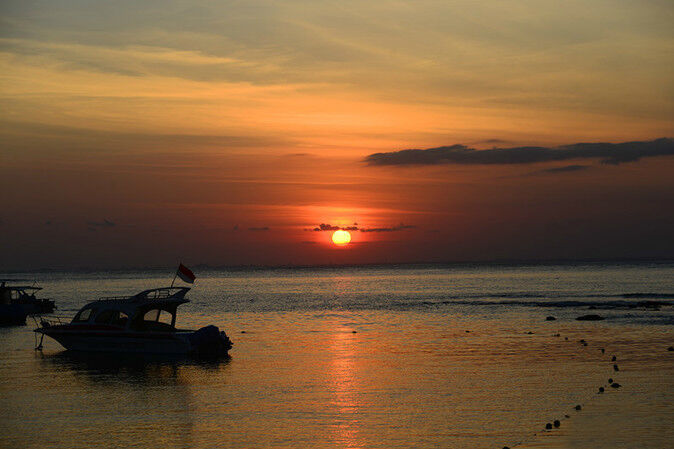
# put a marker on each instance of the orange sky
(220, 133)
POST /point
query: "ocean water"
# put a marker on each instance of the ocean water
(364, 357)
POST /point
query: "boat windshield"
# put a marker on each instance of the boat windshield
(83, 315)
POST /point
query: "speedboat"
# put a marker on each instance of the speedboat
(142, 323)
(19, 301)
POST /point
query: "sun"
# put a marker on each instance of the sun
(341, 237)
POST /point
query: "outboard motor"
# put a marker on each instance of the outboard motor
(210, 341)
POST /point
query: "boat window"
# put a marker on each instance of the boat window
(158, 315)
(151, 315)
(114, 317)
(83, 315)
(106, 316)
(165, 317)
(121, 319)
(154, 320)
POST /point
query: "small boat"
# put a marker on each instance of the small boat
(142, 323)
(19, 301)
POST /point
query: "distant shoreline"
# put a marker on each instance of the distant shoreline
(402, 266)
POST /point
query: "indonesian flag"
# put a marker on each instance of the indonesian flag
(186, 274)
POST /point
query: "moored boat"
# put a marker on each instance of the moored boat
(141, 323)
(19, 301)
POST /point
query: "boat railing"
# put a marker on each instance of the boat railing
(154, 293)
(54, 320)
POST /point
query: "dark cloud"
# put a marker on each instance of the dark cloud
(259, 229)
(494, 141)
(326, 227)
(400, 227)
(329, 227)
(609, 153)
(100, 224)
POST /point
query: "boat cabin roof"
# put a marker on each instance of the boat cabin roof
(166, 298)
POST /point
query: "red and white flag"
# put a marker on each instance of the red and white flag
(186, 274)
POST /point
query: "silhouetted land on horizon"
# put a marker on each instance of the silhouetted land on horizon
(407, 265)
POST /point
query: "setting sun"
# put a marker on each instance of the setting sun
(341, 237)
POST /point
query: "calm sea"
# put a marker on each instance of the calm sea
(374, 357)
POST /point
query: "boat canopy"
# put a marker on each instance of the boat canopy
(136, 306)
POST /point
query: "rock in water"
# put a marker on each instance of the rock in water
(610, 380)
(578, 407)
(601, 389)
(671, 348)
(548, 426)
(615, 385)
(557, 423)
(613, 359)
(615, 367)
(591, 317)
(550, 318)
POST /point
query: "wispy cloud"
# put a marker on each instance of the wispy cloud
(565, 169)
(609, 153)
(400, 227)
(328, 227)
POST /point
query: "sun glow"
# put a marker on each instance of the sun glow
(341, 237)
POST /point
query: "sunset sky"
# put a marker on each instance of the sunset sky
(147, 133)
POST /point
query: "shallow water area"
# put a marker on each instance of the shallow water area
(364, 357)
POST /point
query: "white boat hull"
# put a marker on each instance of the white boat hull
(102, 343)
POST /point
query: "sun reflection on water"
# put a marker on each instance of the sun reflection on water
(344, 385)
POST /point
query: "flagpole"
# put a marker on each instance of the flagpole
(174, 278)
